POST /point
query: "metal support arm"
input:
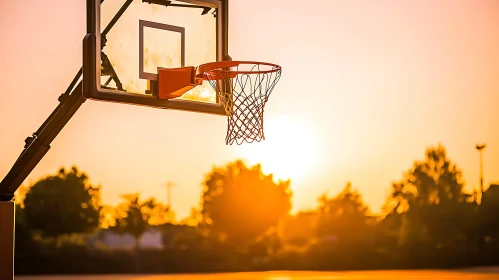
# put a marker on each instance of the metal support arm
(38, 145)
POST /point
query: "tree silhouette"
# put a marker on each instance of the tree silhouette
(432, 181)
(298, 230)
(241, 203)
(487, 222)
(432, 201)
(62, 204)
(181, 236)
(23, 236)
(135, 217)
(343, 216)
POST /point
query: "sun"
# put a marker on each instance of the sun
(289, 151)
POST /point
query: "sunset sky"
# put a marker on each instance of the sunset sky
(367, 85)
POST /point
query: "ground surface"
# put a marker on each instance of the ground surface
(464, 274)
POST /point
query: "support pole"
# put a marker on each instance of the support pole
(7, 218)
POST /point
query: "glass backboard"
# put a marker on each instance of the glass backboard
(128, 40)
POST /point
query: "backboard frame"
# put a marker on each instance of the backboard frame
(92, 62)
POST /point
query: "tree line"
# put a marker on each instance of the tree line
(244, 223)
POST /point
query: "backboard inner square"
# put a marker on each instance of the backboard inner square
(161, 45)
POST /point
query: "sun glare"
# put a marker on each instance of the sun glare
(289, 150)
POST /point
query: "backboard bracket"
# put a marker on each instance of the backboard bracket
(167, 3)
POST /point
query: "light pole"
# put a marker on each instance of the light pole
(480, 150)
(169, 185)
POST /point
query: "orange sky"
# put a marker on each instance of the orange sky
(366, 87)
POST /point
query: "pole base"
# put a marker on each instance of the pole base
(7, 219)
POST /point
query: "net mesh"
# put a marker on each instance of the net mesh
(244, 90)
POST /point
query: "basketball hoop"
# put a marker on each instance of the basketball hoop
(243, 88)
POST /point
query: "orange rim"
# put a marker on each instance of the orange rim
(221, 66)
